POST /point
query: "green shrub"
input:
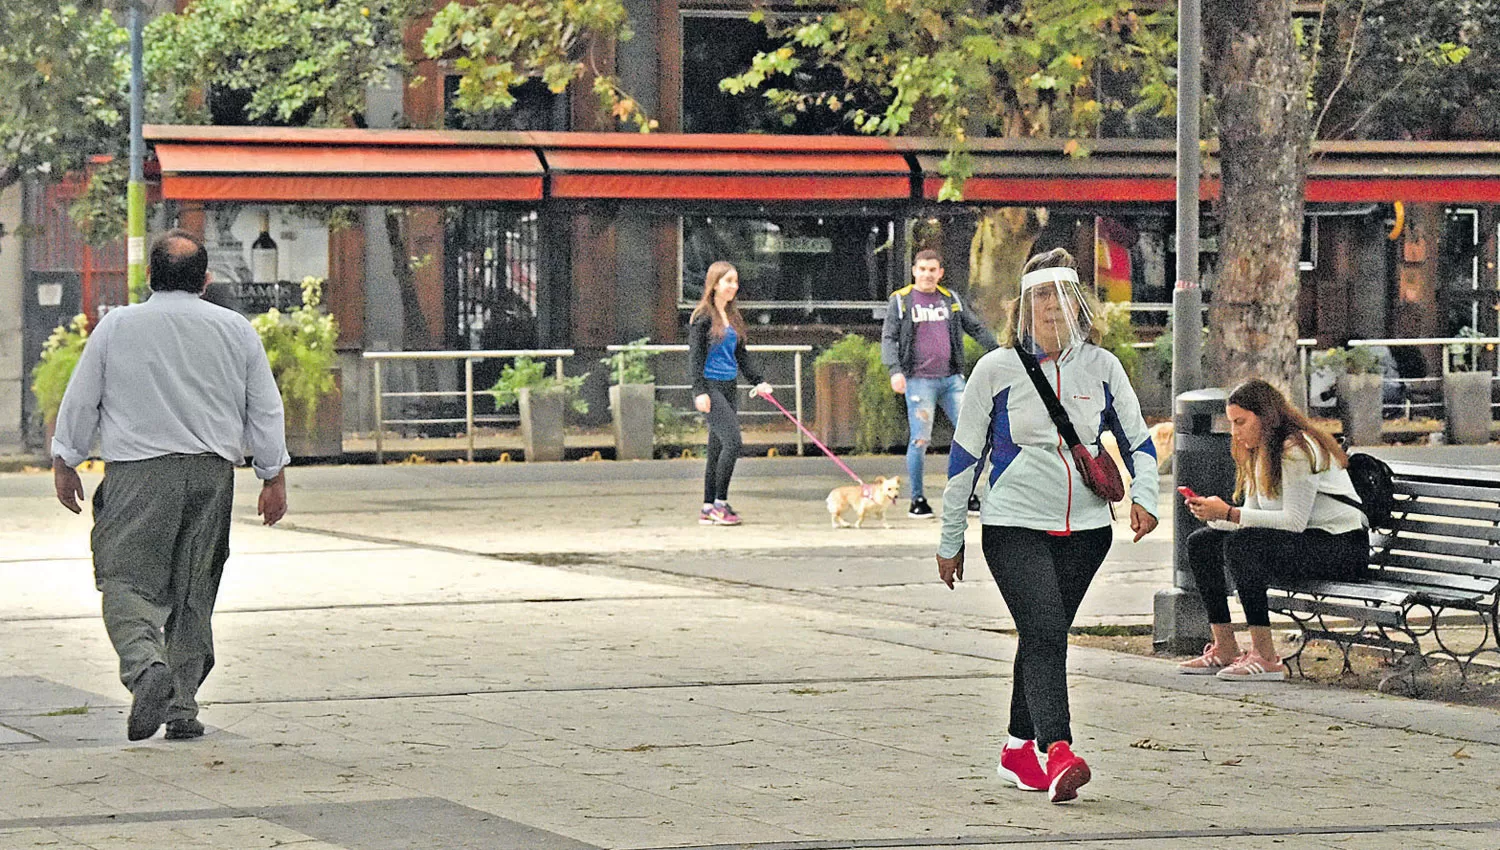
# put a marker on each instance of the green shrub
(299, 345)
(672, 426)
(528, 374)
(50, 376)
(882, 412)
(1464, 357)
(632, 364)
(1347, 361)
(972, 352)
(1119, 337)
(853, 350)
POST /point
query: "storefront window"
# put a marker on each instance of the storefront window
(792, 260)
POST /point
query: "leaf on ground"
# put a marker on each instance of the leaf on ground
(1460, 754)
(1231, 762)
(1149, 744)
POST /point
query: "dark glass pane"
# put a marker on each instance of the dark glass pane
(717, 47)
(1457, 270)
(792, 259)
(536, 109)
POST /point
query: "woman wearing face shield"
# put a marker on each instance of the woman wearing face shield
(1044, 532)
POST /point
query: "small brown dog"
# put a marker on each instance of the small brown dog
(869, 500)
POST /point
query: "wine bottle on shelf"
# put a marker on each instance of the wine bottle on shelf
(263, 255)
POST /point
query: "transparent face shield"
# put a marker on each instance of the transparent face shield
(1055, 313)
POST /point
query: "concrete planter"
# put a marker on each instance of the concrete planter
(836, 403)
(1359, 408)
(325, 439)
(1466, 407)
(632, 409)
(542, 423)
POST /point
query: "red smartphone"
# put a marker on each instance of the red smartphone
(1187, 492)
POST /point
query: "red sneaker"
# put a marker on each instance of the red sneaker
(1066, 773)
(1020, 765)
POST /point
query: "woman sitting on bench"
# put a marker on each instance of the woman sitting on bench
(1295, 524)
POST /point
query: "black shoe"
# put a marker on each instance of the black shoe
(973, 505)
(148, 706)
(182, 730)
(920, 508)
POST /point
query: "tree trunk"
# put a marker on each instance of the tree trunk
(414, 335)
(1002, 243)
(1259, 80)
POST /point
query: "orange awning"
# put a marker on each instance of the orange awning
(332, 173)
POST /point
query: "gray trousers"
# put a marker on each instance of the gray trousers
(160, 540)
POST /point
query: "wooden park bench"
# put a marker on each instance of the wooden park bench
(1434, 578)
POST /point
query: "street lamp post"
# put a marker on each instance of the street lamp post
(1180, 621)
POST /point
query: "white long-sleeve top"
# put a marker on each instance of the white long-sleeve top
(175, 375)
(1306, 500)
(1031, 479)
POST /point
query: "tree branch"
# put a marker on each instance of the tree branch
(1346, 74)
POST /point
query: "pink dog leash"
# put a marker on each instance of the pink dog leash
(817, 442)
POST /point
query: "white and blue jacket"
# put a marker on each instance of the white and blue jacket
(1005, 434)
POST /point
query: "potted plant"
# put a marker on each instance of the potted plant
(299, 345)
(837, 374)
(632, 400)
(1359, 381)
(1466, 394)
(50, 375)
(542, 401)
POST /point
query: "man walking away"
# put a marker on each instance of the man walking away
(176, 389)
(922, 346)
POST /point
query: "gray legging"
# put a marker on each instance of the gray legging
(1043, 578)
(723, 439)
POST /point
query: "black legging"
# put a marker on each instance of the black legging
(1043, 578)
(1257, 556)
(723, 439)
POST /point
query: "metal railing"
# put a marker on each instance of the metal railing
(469, 357)
(1446, 342)
(796, 386)
(1306, 346)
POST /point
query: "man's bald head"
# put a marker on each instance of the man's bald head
(178, 263)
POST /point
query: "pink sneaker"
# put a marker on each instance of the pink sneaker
(706, 516)
(1020, 765)
(723, 515)
(1066, 773)
(1207, 664)
(1252, 668)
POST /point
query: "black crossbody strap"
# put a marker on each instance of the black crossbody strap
(1353, 503)
(1049, 398)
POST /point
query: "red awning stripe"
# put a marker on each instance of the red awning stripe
(347, 189)
(727, 175)
(1419, 189)
(346, 173)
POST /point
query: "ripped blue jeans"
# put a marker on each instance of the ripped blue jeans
(923, 396)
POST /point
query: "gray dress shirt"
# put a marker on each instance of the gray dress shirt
(175, 375)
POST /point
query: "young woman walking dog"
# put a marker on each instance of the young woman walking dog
(717, 356)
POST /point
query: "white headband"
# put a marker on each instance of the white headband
(1058, 274)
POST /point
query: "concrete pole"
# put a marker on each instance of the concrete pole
(136, 190)
(1187, 298)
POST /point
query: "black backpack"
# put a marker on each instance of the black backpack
(1372, 482)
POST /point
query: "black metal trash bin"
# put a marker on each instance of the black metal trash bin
(1201, 460)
